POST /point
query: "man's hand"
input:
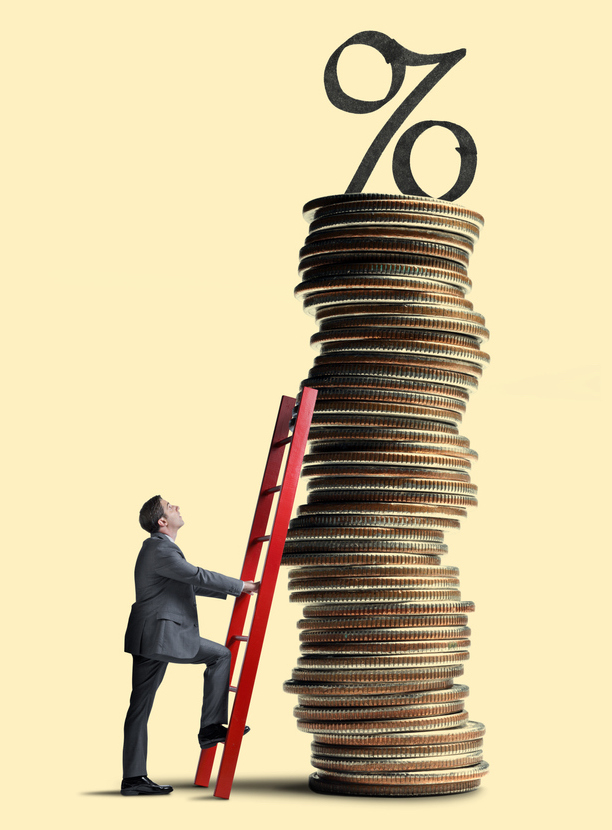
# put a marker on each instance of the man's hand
(251, 587)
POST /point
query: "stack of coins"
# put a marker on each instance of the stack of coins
(384, 634)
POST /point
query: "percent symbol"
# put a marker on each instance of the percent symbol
(399, 58)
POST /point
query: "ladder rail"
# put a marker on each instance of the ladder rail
(265, 596)
(257, 539)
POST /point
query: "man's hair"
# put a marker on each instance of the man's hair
(150, 514)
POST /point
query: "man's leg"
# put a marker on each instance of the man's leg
(146, 676)
(216, 681)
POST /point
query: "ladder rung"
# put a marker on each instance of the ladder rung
(284, 441)
(233, 688)
(272, 490)
(261, 539)
(242, 637)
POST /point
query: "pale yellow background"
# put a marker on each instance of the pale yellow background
(156, 158)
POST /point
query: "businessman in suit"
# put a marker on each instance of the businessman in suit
(162, 629)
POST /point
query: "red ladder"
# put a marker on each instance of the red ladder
(276, 543)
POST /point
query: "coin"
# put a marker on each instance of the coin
(457, 692)
(363, 727)
(328, 787)
(367, 754)
(410, 675)
(385, 765)
(352, 392)
(386, 384)
(383, 277)
(472, 730)
(402, 362)
(453, 325)
(405, 218)
(395, 609)
(370, 595)
(387, 661)
(397, 499)
(383, 577)
(435, 483)
(328, 714)
(371, 687)
(325, 303)
(371, 514)
(344, 202)
(395, 635)
(378, 622)
(421, 532)
(410, 571)
(376, 646)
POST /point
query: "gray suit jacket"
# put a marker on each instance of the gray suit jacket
(164, 620)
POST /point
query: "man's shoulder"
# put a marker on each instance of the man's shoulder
(159, 542)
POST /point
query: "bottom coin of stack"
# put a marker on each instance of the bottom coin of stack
(384, 634)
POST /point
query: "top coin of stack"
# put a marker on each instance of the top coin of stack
(388, 474)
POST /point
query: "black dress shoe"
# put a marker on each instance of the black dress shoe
(215, 734)
(141, 785)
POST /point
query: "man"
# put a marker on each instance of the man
(162, 629)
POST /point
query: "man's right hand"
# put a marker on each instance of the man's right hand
(251, 587)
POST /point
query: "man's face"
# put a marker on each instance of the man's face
(172, 515)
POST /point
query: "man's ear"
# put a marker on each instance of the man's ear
(162, 522)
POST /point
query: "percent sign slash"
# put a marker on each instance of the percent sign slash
(399, 58)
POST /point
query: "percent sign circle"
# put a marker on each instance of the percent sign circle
(399, 58)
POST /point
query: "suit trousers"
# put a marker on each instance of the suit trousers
(147, 674)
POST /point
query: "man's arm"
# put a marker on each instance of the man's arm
(170, 564)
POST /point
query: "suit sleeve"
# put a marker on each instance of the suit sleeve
(170, 564)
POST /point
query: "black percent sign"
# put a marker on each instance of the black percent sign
(399, 58)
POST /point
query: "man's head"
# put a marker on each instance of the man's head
(159, 516)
